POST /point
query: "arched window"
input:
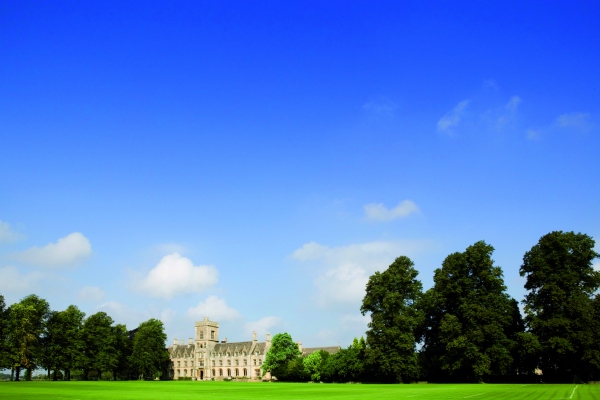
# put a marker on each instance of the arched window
(213, 372)
(237, 372)
(220, 372)
(228, 372)
(245, 372)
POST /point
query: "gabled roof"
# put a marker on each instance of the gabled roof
(330, 349)
(182, 350)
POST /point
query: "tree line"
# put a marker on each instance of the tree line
(67, 344)
(466, 328)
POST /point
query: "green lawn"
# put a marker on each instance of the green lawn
(238, 390)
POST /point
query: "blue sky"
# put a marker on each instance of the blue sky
(256, 162)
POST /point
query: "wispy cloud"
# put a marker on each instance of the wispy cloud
(213, 307)
(578, 120)
(176, 275)
(7, 234)
(68, 250)
(381, 108)
(451, 120)
(344, 271)
(378, 212)
(91, 294)
(262, 326)
(14, 281)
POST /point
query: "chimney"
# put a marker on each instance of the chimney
(268, 338)
(224, 340)
(175, 343)
(254, 336)
(300, 346)
(190, 341)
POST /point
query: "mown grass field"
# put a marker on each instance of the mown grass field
(241, 390)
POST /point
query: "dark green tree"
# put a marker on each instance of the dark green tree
(347, 365)
(5, 362)
(26, 330)
(559, 307)
(149, 352)
(283, 350)
(64, 345)
(390, 299)
(470, 322)
(124, 348)
(101, 353)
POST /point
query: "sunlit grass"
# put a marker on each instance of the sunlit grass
(243, 390)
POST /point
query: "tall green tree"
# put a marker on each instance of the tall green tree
(390, 299)
(4, 349)
(469, 327)
(101, 353)
(149, 352)
(124, 348)
(559, 306)
(26, 329)
(283, 350)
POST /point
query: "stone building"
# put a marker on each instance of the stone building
(204, 357)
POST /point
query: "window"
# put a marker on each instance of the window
(178, 372)
(220, 372)
(179, 363)
(201, 335)
(254, 361)
(212, 335)
(220, 363)
(229, 362)
(191, 363)
(213, 372)
(213, 362)
(237, 362)
(245, 362)
(237, 372)
(228, 372)
(185, 363)
(201, 363)
(245, 372)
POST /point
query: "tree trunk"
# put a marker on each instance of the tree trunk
(18, 374)
(12, 373)
(28, 373)
(54, 377)
(99, 375)
(67, 374)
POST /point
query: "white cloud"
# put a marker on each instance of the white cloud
(176, 275)
(578, 120)
(262, 326)
(11, 280)
(66, 251)
(378, 212)
(381, 108)
(214, 308)
(7, 234)
(453, 118)
(91, 294)
(513, 104)
(344, 271)
(123, 314)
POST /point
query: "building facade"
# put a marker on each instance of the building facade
(205, 357)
